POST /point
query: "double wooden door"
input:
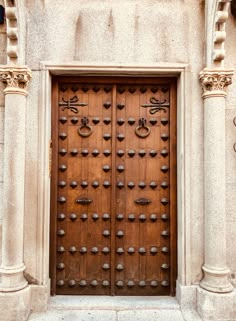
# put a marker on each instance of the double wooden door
(113, 195)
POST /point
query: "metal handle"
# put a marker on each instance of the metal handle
(88, 130)
(142, 125)
(142, 201)
(84, 201)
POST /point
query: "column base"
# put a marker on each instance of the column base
(15, 306)
(216, 280)
(12, 279)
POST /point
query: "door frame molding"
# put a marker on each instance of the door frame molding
(178, 71)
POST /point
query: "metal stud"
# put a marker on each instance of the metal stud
(105, 283)
(142, 185)
(73, 216)
(107, 152)
(107, 89)
(119, 267)
(96, 89)
(60, 249)
(153, 250)
(165, 283)
(164, 121)
(82, 283)
(96, 120)
(153, 217)
(164, 185)
(153, 153)
(164, 201)
(142, 153)
(142, 250)
(60, 266)
(73, 184)
(95, 216)
(142, 284)
(94, 283)
(131, 153)
(106, 184)
(106, 266)
(153, 121)
(131, 217)
(107, 120)
(165, 266)
(154, 283)
(165, 233)
(120, 217)
(95, 184)
(120, 284)
(95, 152)
(132, 90)
(153, 184)
(107, 136)
(61, 216)
(63, 120)
(121, 90)
(120, 137)
(120, 106)
(94, 250)
(62, 200)
(164, 168)
(130, 284)
(131, 121)
(164, 217)
(142, 217)
(164, 249)
(60, 283)
(120, 168)
(106, 168)
(105, 217)
(72, 283)
(62, 136)
(131, 250)
(63, 168)
(84, 152)
(74, 120)
(85, 89)
(154, 90)
(120, 121)
(62, 151)
(72, 249)
(74, 152)
(120, 153)
(106, 233)
(143, 90)
(84, 184)
(83, 250)
(105, 250)
(62, 184)
(164, 137)
(131, 185)
(120, 185)
(120, 250)
(74, 88)
(107, 104)
(84, 217)
(120, 234)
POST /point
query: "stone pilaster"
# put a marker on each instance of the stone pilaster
(214, 84)
(16, 80)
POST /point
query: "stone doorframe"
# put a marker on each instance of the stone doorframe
(180, 72)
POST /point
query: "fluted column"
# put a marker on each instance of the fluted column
(16, 80)
(214, 84)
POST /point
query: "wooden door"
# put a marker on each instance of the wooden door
(113, 196)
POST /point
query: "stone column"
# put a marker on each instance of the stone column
(16, 80)
(214, 83)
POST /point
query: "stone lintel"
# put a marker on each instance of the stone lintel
(15, 79)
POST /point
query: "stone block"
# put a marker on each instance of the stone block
(40, 295)
(1, 125)
(1, 162)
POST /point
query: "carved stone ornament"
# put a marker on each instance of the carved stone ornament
(15, 79)
(215, 82)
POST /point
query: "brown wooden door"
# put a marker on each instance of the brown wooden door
(113, 186)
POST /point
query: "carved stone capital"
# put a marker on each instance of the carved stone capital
(15, 79)
(215, 82)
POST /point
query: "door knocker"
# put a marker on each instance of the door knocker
(85, 130)
(139, 129)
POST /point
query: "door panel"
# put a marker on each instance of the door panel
(113, 186)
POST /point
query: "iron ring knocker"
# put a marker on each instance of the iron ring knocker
(142, 124)
(89, 129)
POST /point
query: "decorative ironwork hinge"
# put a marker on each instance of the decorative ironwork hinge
(156, 105)
(71, 104)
